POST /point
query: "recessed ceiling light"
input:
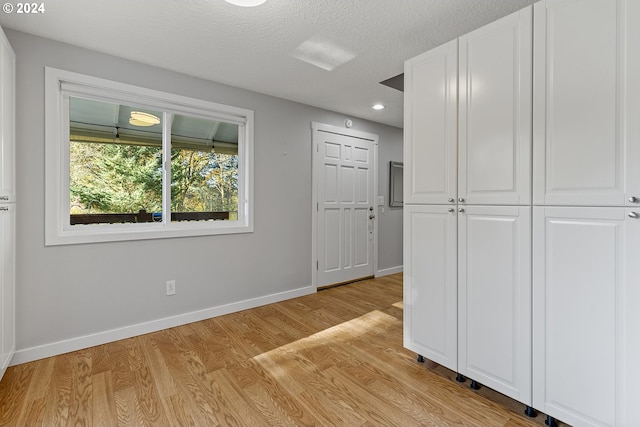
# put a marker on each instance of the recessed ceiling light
(378, 106)
(138, 118)
(246, 3)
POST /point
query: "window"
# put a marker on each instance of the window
(128, 163)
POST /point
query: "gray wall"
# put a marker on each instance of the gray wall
(67, 292)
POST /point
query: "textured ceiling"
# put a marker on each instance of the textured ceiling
(260, 48)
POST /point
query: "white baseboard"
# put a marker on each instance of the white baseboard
(79, 343)
(388, 271)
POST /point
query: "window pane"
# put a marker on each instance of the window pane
(204, 169)
(115, 163)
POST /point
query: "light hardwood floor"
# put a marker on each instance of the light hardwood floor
(334, 358)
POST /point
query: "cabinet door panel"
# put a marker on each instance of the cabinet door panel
(430, 105)
(494, 291)
(581, 76)
(7, 127)
(631, 107)
(430, 284)
(7, 285)
(495, 112)
(585, 293)
(630, 332)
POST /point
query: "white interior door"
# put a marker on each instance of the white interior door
(344, 181)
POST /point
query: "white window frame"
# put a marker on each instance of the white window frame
(59, 85)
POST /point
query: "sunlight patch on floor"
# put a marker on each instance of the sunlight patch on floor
(277, 361)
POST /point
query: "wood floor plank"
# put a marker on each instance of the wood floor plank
(334, 358)
(261, 400)
(103, 400)
(188, 393)
(13, 393)
(377, 411)
(287, 401)
(119, 364)
(125, 399)
(35, 413)
(80, 407)
(59, 392)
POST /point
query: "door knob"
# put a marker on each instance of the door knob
(451, 200)
(461, 200)
(633, 199)
(372, 216)
(7, 198)
(634, 215)
(451, 210)
(460, 210)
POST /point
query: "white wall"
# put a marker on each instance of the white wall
(73, 296)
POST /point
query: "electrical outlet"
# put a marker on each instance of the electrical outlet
(171, 287)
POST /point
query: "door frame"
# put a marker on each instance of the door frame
(321, 127)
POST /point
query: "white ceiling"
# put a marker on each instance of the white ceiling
(256, 48)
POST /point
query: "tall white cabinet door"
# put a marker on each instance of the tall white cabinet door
(585, 52)
(7, 286)
(7, 126)
(631, 106)
(430, 126)
(585, 319)
(430, 285)
(630, 336)
(495, 85)
(494, 298)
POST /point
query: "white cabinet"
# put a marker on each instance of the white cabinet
(7, 203)
(7, 288)
(494, 298)
(495, 112)
(430, 126)
(7, 120)
(586, 299)
(493, 128)
(430, 283)
(571, 78)
(468, 297)
(586, 242)
(586, 68)
(491, 95)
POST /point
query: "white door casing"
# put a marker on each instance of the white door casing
(344, 186)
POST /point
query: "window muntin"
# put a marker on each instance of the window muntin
(194, 161)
